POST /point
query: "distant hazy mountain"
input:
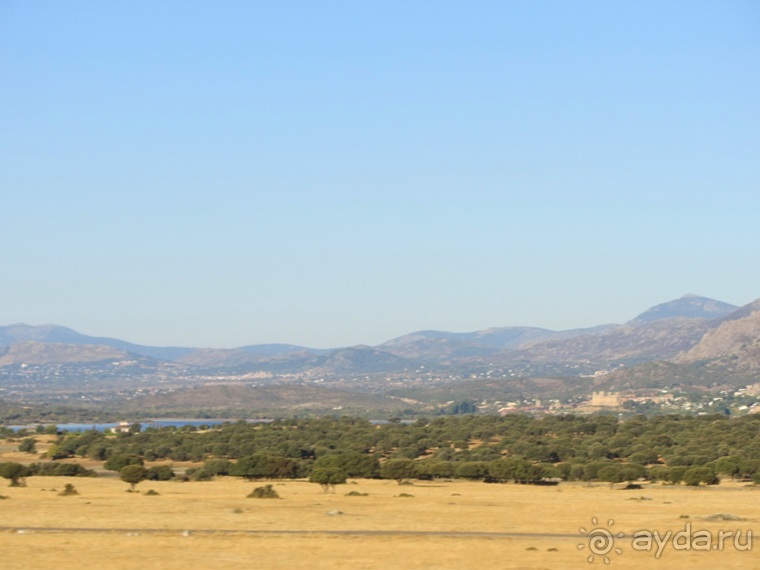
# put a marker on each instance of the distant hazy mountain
(449, 347)
(629, 343)
(44, 333)
(727, 355)
(31, 352)
(495, 338)
(436, 346)
(246, 355)
(278, 349)
(57, 334)
(733, 340)
(207, 357)
(688, 306)
(662, 332)
(659, 333)
(361, 360)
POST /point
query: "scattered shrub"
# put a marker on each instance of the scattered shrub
(265, 492)
(198, 474)
(54, 469)
(28, 445)
(160, 473)
(724, 517)
(120, 461)
(68, 491)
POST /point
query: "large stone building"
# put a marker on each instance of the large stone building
(605, 399)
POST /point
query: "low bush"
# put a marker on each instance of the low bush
(265, 492)
(55, 469)
(68, 491)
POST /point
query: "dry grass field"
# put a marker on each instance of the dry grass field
(532, 527)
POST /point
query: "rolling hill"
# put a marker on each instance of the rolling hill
(694, 337)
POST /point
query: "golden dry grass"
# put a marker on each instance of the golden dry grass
(128, 523)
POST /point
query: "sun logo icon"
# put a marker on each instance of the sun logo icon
(601, 541)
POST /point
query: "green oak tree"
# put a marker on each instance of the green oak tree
(133, 474)
(328, 477)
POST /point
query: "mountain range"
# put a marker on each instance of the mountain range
(665, 341)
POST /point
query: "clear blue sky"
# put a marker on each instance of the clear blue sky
(335, 173)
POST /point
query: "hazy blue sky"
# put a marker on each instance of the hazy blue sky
(335, 173)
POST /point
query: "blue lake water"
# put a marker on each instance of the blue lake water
(144, 424)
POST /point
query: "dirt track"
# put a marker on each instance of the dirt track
(188, 532)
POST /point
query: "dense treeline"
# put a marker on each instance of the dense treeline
(16, 472)
(492, 448)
